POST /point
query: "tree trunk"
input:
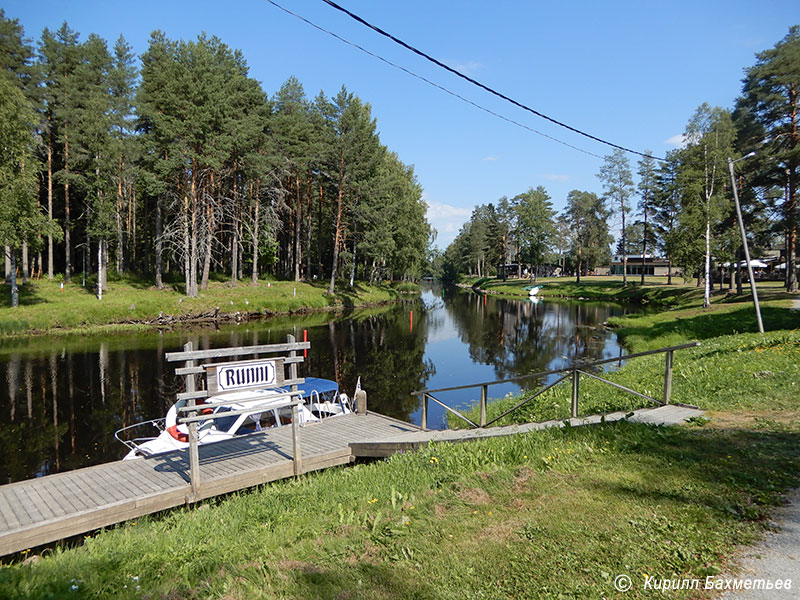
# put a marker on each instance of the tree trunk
(208, 200)
(578, 270)
(159, 245)
(309, 195)
(624, 249)
(791, 233)
(67, 224)
(99, 270)
(255, 233)
(644, 238)
(7, 255)
(12, 256)
(707, 269)
(187, 244)
(319, 232)
(337, 236)
(298, 219)
(120, 238)
(25, 265)
(353, 266)
(49, 203)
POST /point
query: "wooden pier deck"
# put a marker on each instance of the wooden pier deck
(46, 509)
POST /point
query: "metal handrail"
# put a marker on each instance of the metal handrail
(574, 371)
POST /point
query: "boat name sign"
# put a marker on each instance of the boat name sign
(248, 374)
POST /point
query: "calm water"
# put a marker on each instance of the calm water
(64, 397)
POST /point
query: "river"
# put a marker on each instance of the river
(64, 396)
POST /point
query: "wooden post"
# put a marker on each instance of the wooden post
(361, 402)
(194, 455)
(423, 398)
(297, 459)
(667, 376)
(575, 387)
(484, 392)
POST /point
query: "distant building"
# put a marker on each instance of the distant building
(652, 265)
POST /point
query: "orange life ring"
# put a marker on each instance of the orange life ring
(178, 435)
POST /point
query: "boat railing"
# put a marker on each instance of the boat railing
(572, 372)
(134, 443)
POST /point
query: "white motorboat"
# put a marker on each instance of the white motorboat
(532, 290)
(254, 410)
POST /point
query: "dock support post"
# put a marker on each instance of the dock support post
(484, 392)
(194, 454)
(423, 399)
(667, 376)
(575, 388)
(361, 402)
(297, 459)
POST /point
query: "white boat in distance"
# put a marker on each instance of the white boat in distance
(532, 290)
(260, 409)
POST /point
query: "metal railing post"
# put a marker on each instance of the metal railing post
(484, 392)
(575, 387)
(194, 454)
(667, 376)
(423, 398)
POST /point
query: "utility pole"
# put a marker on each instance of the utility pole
(744, 241)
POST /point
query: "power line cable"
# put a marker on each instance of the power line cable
(479, 84)
(429, 82)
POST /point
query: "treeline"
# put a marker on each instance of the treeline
(180, 165)
(684, 208)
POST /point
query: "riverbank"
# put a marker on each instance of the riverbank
(133, 305)
(655, 292)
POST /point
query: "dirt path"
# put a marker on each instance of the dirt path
(777, 557)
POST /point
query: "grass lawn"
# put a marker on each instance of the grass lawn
(45, 307)
(558, 514)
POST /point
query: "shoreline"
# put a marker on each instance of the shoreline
(48, 309)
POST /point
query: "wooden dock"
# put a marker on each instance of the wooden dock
(46, 509)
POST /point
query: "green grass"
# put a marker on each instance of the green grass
(742, 372)
(556, 514)
(128, 303)
(655, 292)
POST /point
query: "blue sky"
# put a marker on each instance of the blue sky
(629, 72)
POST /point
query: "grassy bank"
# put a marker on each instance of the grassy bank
(551, 515)
(130, 304)
(655, 292)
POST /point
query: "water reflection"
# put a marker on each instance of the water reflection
(65, 396)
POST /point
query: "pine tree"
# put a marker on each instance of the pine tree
(20, 217)
(647, 176)
(771, 92)
(618, 184)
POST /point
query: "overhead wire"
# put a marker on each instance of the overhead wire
(481, 85)
(432, 83)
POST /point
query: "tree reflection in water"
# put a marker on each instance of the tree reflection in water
(65, 396)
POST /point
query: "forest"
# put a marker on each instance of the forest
(176, 166)
(680, 206)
